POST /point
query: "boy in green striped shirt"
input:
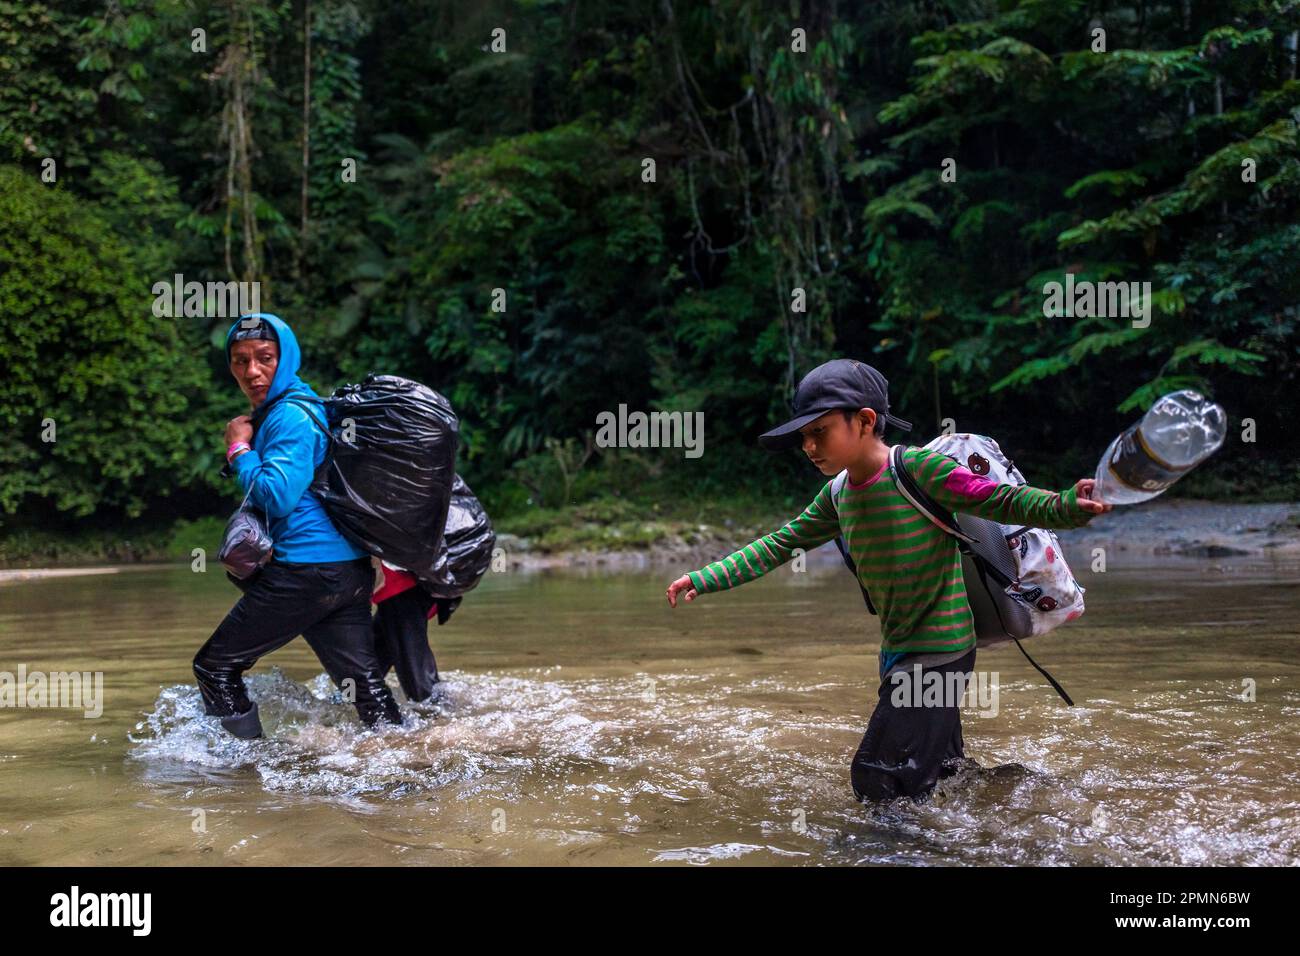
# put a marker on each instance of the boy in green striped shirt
(911, 568)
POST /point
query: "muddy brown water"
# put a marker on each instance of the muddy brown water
(583, 722)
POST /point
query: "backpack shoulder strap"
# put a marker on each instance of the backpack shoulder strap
(853, 569)
(305, 402)
(302, 401)
(916, 496)
(1050, 679)
(837, 486)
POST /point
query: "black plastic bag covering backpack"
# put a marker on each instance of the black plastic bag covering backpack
(386, 482)
(466, 550)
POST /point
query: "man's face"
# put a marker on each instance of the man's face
(832, 441)
(253, 363)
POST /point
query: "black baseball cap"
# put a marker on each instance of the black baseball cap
(251, 327)
(838, 384)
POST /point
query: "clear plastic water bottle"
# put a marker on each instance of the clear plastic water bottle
(1176, 434)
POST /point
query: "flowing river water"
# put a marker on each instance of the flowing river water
(583, 722)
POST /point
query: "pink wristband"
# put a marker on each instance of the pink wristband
(236, 447)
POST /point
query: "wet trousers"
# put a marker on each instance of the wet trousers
(907, 749)
(329, 605)
(402, 641)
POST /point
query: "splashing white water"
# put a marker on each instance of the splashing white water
(577, 758)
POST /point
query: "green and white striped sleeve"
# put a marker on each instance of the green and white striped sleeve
(817, 524)
(958, 489)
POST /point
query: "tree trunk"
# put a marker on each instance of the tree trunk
(306, 130)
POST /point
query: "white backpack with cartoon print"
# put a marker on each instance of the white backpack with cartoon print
(1017, 581)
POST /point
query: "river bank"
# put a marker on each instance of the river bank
(1181, 527)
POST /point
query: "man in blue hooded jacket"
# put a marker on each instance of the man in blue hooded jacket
(317, 583)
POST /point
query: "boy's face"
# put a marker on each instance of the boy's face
(832, 442)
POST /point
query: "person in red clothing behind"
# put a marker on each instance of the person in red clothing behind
(401, 627)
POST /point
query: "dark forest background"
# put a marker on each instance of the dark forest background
(776, 168)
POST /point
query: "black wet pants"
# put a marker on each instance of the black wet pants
(402, 641)
(329, 605)
(907, 748)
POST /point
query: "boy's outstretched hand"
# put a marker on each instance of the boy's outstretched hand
(1083, 490)
(677, 587)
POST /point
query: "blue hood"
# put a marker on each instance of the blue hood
(277, 474)
(286, 373)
